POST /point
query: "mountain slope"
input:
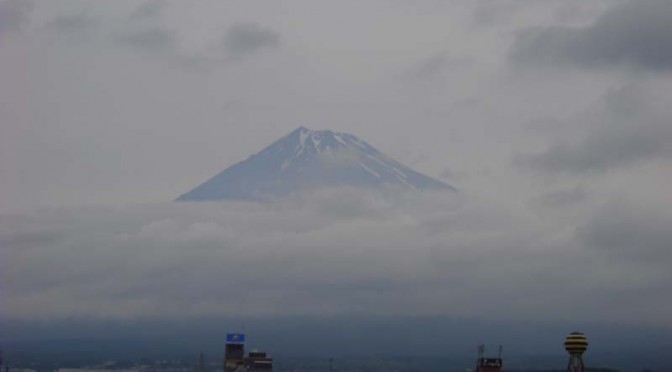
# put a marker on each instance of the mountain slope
(307, 159)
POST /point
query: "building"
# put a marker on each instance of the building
(258, 361)
(235, 359)
(484, 364)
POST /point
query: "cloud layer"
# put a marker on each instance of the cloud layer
(634, 33)
(13, 15)
(336, 252)
(630, 127)
(245, 38)
(551, 117)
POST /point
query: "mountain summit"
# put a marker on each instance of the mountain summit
(309, 159)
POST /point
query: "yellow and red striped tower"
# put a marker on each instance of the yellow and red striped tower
(576, 344)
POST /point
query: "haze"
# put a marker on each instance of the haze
(551, 118)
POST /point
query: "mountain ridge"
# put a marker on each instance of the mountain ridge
(309, 159)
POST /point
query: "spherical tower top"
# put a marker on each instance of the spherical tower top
(576, 343)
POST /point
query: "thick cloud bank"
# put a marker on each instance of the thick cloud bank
(629, 127)
(635, 33)
(333, 253)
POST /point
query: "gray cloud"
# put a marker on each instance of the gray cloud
(246, 38)
(333, 252)
(604, 148)
(431, 67)
(490, 13)
(73, 26)
(13, 15)
(154, 39)
(78, 121)
(83, 27)
(634, 33)
(439, 63)
(447, 174)
(563, 197)
(148, 9)
(632, 126)
(631, 231)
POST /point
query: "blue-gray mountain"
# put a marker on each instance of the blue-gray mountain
(307, 159)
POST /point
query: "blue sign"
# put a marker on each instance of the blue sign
(237, 338)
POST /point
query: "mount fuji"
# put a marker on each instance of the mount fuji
(310, 159)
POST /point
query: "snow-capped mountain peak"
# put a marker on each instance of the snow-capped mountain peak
(307, 159)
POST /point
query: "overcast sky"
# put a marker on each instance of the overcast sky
(552, 118)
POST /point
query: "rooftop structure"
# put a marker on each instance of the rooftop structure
(235, 359)
(484, 364)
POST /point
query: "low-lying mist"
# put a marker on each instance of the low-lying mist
(344, 266)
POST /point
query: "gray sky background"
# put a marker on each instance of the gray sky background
(552, 118)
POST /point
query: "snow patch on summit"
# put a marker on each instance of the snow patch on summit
(369, 170)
